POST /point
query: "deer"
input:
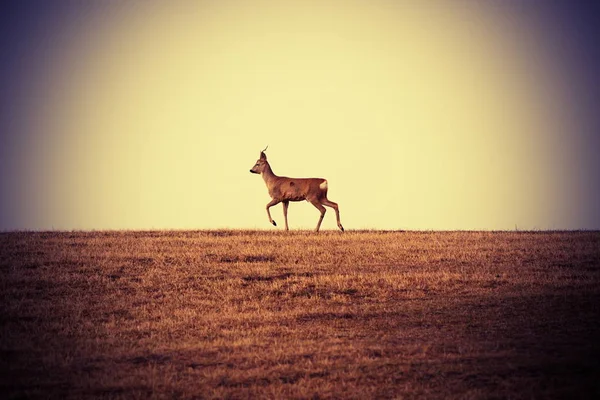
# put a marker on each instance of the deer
(283, 190)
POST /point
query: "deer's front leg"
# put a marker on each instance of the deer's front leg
(269, 205)
(285, 208)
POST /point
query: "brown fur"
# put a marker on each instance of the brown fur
(283, 190)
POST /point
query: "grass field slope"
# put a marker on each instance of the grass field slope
(270, 314)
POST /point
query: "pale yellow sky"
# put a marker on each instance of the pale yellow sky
(421, 115)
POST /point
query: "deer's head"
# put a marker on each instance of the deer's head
(261, 163)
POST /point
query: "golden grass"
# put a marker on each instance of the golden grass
(252, 314)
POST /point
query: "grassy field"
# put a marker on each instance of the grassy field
(246, 314)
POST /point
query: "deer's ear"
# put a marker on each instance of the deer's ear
(263, 156)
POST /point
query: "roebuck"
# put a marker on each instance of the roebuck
(283, 190)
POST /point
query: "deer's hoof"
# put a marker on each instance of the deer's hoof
(274, 223)
(342, 228)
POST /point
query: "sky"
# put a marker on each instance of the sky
(422, 115)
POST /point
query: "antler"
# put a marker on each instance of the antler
(266, 148)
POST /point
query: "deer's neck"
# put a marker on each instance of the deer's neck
(268, 174)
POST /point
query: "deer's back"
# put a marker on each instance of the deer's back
(297, 189)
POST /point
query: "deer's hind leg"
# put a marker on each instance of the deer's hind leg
(322, 209)
(334, 205)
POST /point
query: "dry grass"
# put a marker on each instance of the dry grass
(243, 314)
